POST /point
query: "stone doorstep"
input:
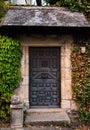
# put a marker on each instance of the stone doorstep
(47, 128)
(45, 110)
(46, 116)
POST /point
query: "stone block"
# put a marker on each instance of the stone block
(67, 94)
(68, 49)
(66, 90)
(25, 92)
(63, 50)
(68, 74)
(25, 59)
(25, 81)
(63, 62)
(65, 104)
(63, 74)
(74, 106)
(67, 62)
(25, 70)
(19, 91)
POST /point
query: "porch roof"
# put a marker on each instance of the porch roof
(43, 16)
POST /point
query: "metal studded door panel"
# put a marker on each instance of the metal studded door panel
(44, 77)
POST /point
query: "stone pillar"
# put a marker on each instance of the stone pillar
(16, 113)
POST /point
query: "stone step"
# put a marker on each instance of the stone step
(46, 116)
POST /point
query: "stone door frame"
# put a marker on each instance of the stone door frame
(65, 43)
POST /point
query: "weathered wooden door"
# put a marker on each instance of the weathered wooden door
(44, 77)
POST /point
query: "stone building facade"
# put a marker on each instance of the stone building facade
(43, 85)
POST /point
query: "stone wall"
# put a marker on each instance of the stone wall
(65, 43)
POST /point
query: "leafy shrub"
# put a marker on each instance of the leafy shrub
(84, 116)
(10, 76)
(5, 106)
(81, 79)
(3, 8)
(73, 5)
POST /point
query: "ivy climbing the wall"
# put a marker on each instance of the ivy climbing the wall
(81, 79)
(10, 76)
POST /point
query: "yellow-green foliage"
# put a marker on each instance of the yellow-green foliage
(10, 76)
(3, 8)
(81, 79)
(73, 5)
